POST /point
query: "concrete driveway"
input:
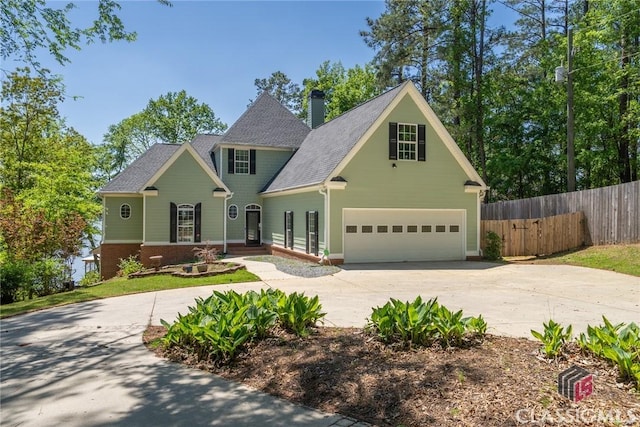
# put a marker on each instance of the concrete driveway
(84, 364)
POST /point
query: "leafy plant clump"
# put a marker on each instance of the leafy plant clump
(424, 323)
(220, 327)
(129, 265)
(493, 248)
(618, 344)
(554, 339)
(208, 254)
(90, 278)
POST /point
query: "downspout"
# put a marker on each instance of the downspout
(325, 192)
(144, 218)
(224, 226)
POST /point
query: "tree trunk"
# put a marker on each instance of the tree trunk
(624, 139)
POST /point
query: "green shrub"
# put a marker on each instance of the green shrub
(129, 265)
(554, 338)
(493, 247)
(619, 344)
(423, 323)
(90, 278)
(219, 327)
(297, 312)
(49, 276)
(15, 276)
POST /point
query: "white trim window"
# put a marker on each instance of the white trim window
(241, 162)
(233, 212)
(407, 141)
(125, 211)
(186, 223)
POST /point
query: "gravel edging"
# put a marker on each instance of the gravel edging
(297, 267)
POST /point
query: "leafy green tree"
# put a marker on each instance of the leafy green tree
(283, 89)
(176, 117)
(344, 89)
(405, 40)
(46, 174)
(607, 58)
(172, 118)
(28, 27)
(30, 106)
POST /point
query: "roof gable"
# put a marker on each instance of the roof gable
(188, 147)
(329, 143)
(267, 123)
(133, 178)
(147, 168)
(329, 148)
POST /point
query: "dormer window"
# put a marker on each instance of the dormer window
(242, 162)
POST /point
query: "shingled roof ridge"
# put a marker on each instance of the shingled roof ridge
(246, 111)
(398, 87)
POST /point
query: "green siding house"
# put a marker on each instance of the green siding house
(383, 182)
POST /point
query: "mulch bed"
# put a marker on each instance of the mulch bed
(501, 382)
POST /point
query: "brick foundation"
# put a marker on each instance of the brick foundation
(288, 253)
(112, 253)
(171, 254)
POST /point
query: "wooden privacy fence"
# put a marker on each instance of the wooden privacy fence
(612, 214)
(539, 236)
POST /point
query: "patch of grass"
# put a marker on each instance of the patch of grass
(296, 267)
(619, 258)
(121, 286)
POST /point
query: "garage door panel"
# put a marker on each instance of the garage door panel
(388, 235)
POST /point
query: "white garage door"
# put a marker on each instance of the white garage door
(390, 235)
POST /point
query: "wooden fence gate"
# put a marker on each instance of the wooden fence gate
(538, 236)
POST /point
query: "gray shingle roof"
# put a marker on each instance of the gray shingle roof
(138, 173)
(328, 144)
(268, 123)
(203, 144)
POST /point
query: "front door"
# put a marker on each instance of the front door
(253, 228)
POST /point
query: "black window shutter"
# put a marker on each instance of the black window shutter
(231, 161)
(315, 240)
(252, 162)
(393, 141)
(422, 146)
(197, 223)
(286, 230)
(291, 229)
(308, 246)
(173, 223)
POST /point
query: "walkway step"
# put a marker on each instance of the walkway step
(247, 250)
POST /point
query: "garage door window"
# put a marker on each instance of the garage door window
(351, 229)
(412, 228)
(426, 229)
(397, 228)
(454, 229)
(367, 228)
(383, 229)
(441, 228)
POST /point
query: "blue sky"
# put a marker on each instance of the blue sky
(214, 50)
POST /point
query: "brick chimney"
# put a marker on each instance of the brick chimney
(315, 116)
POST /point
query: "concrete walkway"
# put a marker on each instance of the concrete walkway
(84, 365)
